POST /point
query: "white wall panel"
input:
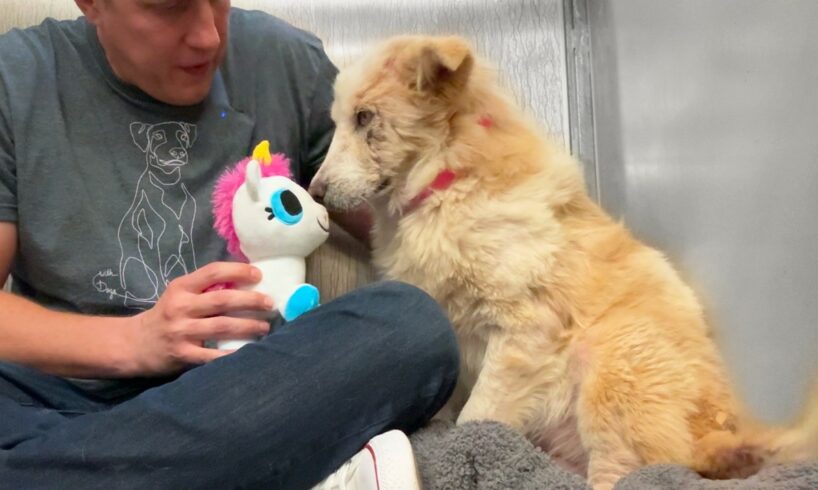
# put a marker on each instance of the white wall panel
(707, 145)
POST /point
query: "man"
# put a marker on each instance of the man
(113, 129)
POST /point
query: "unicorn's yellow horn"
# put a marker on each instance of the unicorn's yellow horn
(261, 153)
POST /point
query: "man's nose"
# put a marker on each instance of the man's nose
(203, 32)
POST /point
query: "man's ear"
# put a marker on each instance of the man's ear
(444, 65)
(90, 9)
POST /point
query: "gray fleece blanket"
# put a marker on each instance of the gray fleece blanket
(491, 456)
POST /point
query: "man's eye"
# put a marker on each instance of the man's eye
(364, 117)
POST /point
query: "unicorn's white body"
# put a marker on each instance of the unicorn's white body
(278, 225)
(280, 277)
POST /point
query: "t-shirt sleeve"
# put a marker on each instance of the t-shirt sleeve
(8, 172)
(320, 127)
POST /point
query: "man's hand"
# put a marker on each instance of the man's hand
(169, 336)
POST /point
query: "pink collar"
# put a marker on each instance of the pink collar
(443, 181)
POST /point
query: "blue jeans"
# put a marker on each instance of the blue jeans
(283, 412)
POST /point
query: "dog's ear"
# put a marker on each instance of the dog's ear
(190, 129)
(139, 133)
(444, 65)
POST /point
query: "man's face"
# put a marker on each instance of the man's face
(170, 49)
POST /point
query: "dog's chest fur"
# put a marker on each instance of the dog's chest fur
(489, 266)
(465, 269)
(489, 263)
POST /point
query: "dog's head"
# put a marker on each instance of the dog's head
(392, 110)
(165, 145)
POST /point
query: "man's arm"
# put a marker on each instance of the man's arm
(159, 341)
(63, 344)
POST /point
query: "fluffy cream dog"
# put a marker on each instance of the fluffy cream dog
(571, 330)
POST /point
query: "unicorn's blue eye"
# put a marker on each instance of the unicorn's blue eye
(285, 206)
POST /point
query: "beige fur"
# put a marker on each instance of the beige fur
(571, 330)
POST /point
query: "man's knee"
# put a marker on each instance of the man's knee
(404, 302)
(420, 330)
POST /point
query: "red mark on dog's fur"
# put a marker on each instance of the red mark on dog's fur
(486, 121)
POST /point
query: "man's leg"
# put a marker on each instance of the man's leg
(31, 403)
(280, 413)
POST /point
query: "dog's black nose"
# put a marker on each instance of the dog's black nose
(318, 189)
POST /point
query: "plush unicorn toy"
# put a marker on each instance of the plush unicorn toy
(273, 223)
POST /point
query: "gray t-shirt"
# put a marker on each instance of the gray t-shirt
(110, 188)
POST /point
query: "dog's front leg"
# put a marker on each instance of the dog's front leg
(519, 382)
(455, 403)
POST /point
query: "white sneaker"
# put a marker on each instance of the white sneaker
(385, 463)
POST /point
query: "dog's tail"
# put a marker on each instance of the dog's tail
(743, 452)
(801, 440)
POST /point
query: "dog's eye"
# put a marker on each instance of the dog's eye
(285, 206)
(364, 117)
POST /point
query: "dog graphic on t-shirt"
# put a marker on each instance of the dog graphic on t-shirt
(155, 234)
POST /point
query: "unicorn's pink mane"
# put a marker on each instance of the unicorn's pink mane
(225, 189)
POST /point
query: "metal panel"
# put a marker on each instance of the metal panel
(706, 119)
(579, 82)
(525, 38)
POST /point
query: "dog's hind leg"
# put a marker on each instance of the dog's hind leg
(627, 418)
